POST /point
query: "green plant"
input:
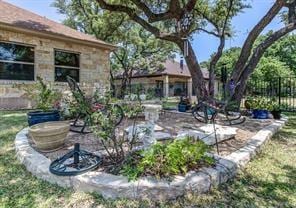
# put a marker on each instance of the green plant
(275, 106)
(253, 187)
(165, 160)
(151, 93)
(104, 125)
(43, 94)
(260, 103)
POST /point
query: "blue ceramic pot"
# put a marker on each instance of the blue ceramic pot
(260, 114)
(182, 108)
(36, 117)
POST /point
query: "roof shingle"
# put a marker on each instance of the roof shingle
(171, 67)
(21, 18)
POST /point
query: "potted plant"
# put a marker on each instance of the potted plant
(184, 104)
(47, 102)
(276, 110)
(260, 107)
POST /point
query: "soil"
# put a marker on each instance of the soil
(168, 122)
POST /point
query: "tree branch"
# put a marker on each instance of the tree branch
(292, 11)
(152, 17)
(257, 55)
(205, 16)
(208, 32)
(133, 15)
(247, 47)
(219, 53)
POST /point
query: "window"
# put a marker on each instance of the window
(66, 64)
(16, 62)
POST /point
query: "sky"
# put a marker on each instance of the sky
(203, 44)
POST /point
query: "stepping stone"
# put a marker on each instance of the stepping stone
(206, 133)
(156, 128)
(160, 136)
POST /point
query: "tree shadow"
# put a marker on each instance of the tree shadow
(30, 24)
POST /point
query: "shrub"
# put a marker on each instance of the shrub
(45, 97)
(260, 103)
(104, 126)
(165, 160)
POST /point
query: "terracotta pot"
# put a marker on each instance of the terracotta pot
(49, 136)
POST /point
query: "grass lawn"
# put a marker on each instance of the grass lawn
(268, 181)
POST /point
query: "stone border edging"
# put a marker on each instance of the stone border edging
(112, 186)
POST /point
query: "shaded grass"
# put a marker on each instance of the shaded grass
(268, 181)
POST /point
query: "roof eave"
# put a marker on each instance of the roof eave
(56, 36)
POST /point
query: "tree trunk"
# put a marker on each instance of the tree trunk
(123, 83)
(249, 42)
(113, 88)
(257, 55)
(213, 65)
(198, 80)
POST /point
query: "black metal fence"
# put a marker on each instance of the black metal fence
(281, 90)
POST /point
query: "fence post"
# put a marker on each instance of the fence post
(279, 89)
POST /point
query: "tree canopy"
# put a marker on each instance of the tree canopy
(176, 21)
(137, 49)
(278, 61)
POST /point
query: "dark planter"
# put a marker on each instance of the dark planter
(182, 107)
(188, 106)
(36, 117)
(276, 114)
(260, 114)
(247, 104)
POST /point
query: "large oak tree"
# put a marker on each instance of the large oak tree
(138, 49)
(162, 17)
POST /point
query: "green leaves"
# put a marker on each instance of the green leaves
(42, 94)
(138, 48)
(260, 103)
(166, 160)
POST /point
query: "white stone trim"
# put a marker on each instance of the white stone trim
(112, 186)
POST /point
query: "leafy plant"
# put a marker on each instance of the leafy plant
(260, 103)
(275, 106)
(165, 160)
(104, 126)
(42, 94)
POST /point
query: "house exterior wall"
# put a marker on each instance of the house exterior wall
(173, 83)
(94, 65)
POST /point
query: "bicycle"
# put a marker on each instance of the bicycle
(208, 109)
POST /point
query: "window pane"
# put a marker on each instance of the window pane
(62, 73)
(11, 71)
(13, 52)
(66, 59)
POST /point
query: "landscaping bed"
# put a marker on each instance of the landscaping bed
(235, 155)
(264, 183)
(168, 123)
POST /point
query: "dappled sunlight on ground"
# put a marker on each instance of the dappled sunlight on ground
(268, 181)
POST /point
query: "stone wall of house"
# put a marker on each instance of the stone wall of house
(94, 66)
